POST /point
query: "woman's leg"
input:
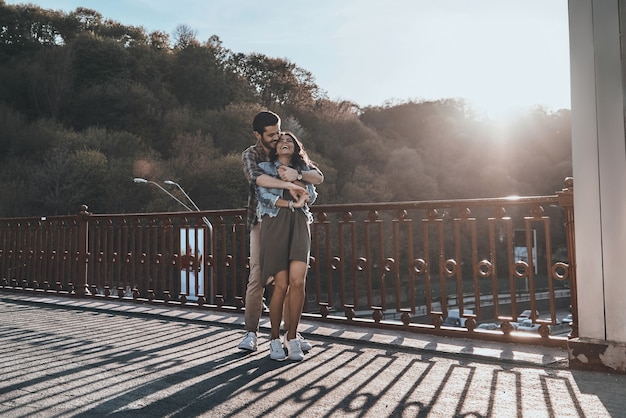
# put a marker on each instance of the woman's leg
(297, 281)
(277, 300)
(286, 311)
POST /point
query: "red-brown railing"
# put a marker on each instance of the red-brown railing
(404, 265)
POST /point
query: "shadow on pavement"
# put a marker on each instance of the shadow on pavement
(57, 361)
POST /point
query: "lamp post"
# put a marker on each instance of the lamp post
(173, 183)
(204, 219)
(209, 227)
(141, 180)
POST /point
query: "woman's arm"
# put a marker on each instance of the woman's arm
(270, 182)
(266, 197)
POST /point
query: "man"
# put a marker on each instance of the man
(266, 128)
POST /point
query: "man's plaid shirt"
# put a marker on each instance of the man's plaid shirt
(251, 158)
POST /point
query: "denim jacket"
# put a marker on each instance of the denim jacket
(268, 197)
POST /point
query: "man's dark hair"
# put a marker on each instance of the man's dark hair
(264, 119)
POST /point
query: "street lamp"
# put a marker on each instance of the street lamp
(197, 209)
(204, 219)
(170, 182)
(140, 180)
(210, 231)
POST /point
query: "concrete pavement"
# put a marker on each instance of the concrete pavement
(65, 357)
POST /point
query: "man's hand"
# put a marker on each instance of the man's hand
(287, 173)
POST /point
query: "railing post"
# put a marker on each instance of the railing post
(566, 201)
(83, 251)
(208, 265)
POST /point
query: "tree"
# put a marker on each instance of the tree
(89, 20)
(13, 123)
(231, 128)
(366, 186)
(159, 40)
(185, 37)
(127, 36)
(67, 179)
(408, 177)
(49, 78)
(200, 80)
(15, 182)
(26, 28)
(277, 82)
(97, 61)
(226, 187)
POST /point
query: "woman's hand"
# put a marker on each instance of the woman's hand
(302, 199)
(295, 190)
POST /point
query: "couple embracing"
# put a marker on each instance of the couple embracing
(282, 179)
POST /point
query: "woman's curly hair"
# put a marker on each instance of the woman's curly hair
(300, 158)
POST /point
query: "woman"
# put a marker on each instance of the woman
(286, 243)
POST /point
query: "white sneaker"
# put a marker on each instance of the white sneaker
(294, 349)
(249, 342)
(277, 352)
(304, 344)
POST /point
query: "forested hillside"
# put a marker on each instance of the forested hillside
(87, 104)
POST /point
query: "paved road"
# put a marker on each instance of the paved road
(82, 360)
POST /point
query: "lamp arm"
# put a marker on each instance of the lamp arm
(171, 195)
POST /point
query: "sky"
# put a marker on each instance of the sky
(502, 56)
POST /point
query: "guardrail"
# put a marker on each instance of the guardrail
(401, 265)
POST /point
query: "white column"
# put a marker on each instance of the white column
(599, 168)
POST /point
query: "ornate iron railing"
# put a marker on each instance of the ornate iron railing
(442, 267)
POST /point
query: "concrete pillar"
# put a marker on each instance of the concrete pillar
(599, 168)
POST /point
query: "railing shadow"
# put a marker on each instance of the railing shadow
(117, 364)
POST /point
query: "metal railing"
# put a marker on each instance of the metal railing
(442, 267)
